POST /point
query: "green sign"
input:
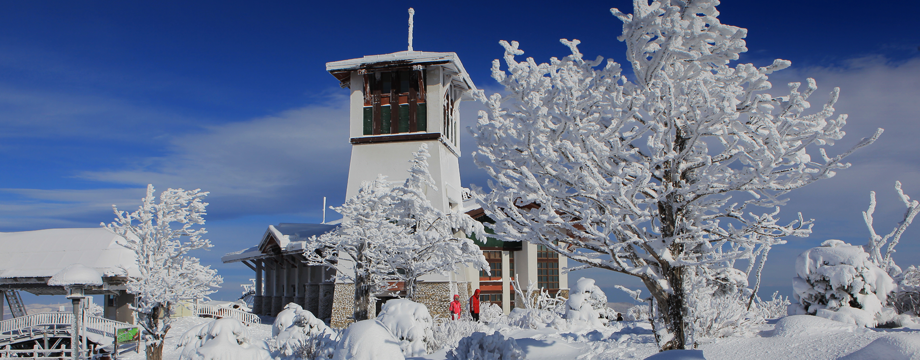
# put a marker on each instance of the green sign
(127, 335)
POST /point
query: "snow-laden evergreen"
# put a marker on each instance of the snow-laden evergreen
(650, 176)
(436, 241)
(838, 281)
(167, 273)
(587, 304)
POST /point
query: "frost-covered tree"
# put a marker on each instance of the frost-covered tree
(358, 249)
(395, 233)
(166, 273)
(666, 171)
(435, 241)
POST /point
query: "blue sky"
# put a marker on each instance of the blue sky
(99, 98)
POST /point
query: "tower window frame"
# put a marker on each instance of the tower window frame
(390, 109)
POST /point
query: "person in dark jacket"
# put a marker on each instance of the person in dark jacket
(474, 305)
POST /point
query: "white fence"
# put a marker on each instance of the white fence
(42, 321)
(224, 312)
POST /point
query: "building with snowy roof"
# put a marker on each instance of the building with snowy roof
(30, 258)
(398, 102)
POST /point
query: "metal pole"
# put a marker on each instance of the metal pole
(75, 330)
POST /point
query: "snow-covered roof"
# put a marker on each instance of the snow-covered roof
(43, 253)
(76, 274)
(288, 237)
(342, 69)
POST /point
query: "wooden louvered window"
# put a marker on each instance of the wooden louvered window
(394, 102)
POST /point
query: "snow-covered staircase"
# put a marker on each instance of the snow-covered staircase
(15, 301)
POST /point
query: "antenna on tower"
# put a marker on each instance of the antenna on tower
(411, 23)
(324, 209)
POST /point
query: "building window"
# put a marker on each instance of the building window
(547, 268)
(394, 102)
(494, 258)
(495, 298)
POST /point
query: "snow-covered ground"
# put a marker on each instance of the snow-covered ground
(796, 337)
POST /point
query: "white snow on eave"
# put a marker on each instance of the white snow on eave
(410, 57)
(76, 274)
(42, 253)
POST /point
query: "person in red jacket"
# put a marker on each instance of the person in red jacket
(455, 308)
(474, 305)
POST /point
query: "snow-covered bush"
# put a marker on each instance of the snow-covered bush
(838, 281)
(446, 334)
(410, 323)
(907, 298)
(637, 313)
(367, 340)
(718, 301)
(490, 312)
(536, 319)
(221, 339)
(774, 308)
(479, 346)
(285, 318)
(587, 304)
(306, 337)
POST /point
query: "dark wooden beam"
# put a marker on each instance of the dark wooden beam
(394, 138)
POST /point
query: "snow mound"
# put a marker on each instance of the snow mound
(890, 347)
(837, 275)
(368, 340)
(678, 355)
(76, 274)
(480, 346)
(409, 322)
(221, 339)
(799, 325)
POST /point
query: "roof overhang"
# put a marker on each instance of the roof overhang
(343, 69)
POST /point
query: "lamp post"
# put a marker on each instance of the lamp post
(76, 279)
(75, 294)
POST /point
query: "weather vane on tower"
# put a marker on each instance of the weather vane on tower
(411, 14)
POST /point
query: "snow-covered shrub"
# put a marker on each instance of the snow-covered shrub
(837, 277)
(637, 313)
(367, 340)
(490, 312)
(718, 301)
(305, 338)
(479, 346)
(774, 308)
(285, 318)
(409, 322)
(221, 339)
(446, 334)
(536, 319)
(587, 304)
(907, 297)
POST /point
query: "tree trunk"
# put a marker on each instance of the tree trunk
(411, 288)
(362, 287)
(670, 307)
(155, 351)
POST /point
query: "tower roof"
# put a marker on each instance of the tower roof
(342, 69)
